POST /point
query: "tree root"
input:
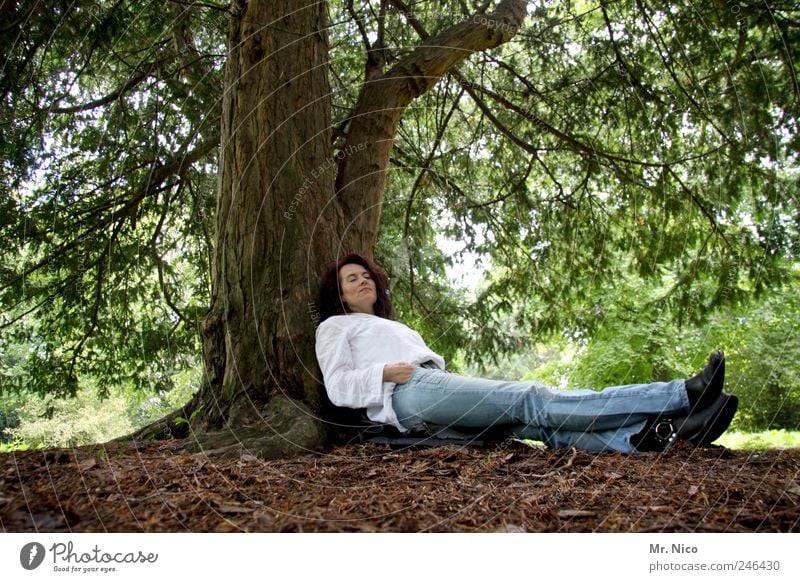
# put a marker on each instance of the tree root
(287, 429)
(173, 426)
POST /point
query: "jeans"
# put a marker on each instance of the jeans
(585, 419)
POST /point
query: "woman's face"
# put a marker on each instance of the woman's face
(357, 288)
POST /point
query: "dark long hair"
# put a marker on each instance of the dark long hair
(329, 296)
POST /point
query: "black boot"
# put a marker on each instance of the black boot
(704, 388)
(704, 427)
(701, 427)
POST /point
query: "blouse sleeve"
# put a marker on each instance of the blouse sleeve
(346, 386)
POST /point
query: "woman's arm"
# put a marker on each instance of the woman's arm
(345, 384)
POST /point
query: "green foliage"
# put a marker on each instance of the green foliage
(179, 420)
(548, 363)
(764, 367)
(604, 142)
(48, 421)
(761, 346)
(107, 191)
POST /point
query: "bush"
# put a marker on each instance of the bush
(762, 349)
(765, 366)
(85, 419)
(761, 344)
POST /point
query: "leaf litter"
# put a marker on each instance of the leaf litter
(158, 487)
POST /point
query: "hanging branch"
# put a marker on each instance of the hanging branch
(152, 184)
(666, 59)
(620, 59)
(703, 209)
(161, 264)
(424, 169)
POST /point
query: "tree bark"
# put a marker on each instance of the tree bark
(287, 205)
(273, 228)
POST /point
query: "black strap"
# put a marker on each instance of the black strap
(430, 364)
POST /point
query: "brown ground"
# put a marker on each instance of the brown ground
(511, 487)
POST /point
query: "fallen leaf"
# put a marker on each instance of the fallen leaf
(235, 509)
(794, 488)
(576, 513)
(87, 464)
(510, 528)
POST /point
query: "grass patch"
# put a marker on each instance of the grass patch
(768, 439)
(14, 446)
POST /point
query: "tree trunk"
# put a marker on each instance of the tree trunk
(288, 204)
(273, 229)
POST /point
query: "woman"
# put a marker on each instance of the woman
(370, 361)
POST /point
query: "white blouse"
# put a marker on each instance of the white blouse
(352, 350)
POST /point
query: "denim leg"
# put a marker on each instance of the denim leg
(437, 397)
(611, 440)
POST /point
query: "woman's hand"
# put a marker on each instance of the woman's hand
(399, 373)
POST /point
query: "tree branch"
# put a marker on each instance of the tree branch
(411, 18)
(226, 8)
(113, 96)
(150, 185)
(360, 179)
(703, 209)
(664, 59)
(575, 144)
(620, 59)
(359, 24)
